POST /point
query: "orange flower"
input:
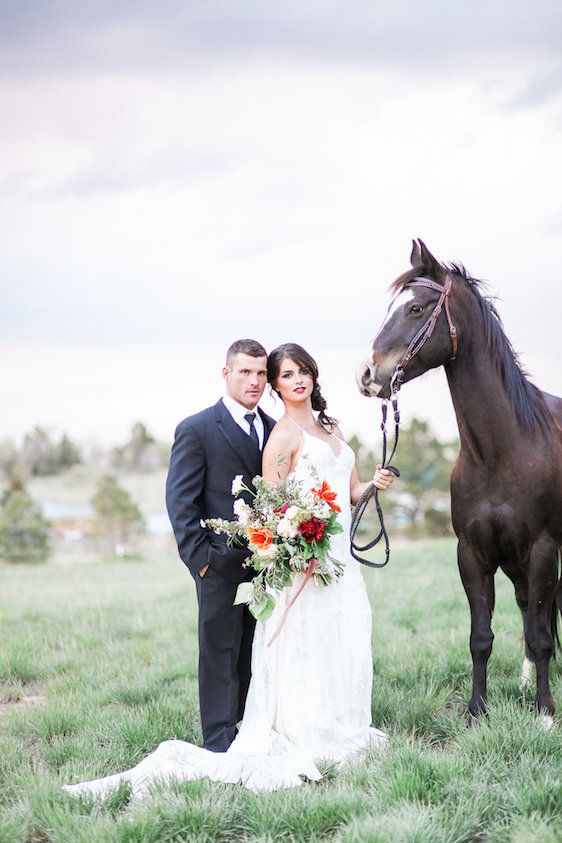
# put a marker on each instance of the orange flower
(260, 537)
(325, 494)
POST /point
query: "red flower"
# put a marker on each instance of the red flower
(312, 530)
(325, 494)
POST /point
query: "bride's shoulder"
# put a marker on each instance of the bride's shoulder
(284, 433)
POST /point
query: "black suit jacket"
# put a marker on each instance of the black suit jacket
(209, 450)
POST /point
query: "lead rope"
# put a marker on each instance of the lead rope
(371, 492)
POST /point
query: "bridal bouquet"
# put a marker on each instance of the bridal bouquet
(288, 531)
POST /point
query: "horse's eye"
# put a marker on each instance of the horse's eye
(416, 309)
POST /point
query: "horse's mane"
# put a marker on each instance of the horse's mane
(528, 403)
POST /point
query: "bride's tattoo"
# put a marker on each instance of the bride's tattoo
(278, 461)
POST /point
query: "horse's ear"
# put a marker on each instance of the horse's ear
(415, 257)
(430, 263)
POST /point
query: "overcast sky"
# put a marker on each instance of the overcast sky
(176, 175)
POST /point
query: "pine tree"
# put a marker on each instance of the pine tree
(24, 532)
(117, 517)
(67, 453)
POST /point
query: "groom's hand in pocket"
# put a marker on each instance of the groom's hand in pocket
(203, 570)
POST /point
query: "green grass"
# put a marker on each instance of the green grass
(98, 664)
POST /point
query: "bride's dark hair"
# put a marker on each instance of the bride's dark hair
(299, 355)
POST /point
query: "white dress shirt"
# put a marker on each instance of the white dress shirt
(237, 411)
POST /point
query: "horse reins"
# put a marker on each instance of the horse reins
(414, 347)
(371, 492)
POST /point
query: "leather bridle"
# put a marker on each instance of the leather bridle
(415, 346)
(426, 330)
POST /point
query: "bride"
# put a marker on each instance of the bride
(310, 693)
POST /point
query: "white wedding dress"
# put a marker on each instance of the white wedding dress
(310, 693)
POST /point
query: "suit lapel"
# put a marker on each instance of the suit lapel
(243, 446)
(268, 425)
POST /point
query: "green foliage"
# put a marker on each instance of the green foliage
(67, 453)
(117, 517)
(437, 521)
(40, 456)
(424, 462)
(24, 532)
(141, 452)
(8, 456)
(419, 499)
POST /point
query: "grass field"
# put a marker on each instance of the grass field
(98, 664)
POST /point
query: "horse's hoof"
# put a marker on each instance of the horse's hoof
(546, 721)
(473, 717)
(526, 674)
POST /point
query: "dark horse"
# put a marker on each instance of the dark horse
(506, 485)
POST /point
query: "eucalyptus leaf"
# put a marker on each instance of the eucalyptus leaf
(266, 610)
(244, 593)
(254, 609)
(260, 595)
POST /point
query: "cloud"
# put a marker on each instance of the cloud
(137, 207)
(151, 170)
(58, 36)
(540, 88)
(191, 172)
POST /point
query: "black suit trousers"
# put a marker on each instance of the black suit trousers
(225, 653)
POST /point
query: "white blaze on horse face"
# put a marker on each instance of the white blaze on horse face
(401, 298)
(367, 365)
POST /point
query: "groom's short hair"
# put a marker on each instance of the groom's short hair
(250, 347)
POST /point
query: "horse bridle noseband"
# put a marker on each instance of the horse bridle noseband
(426, 330)
(415, 346)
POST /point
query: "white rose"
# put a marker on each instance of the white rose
(269, 552)
(242, 511)
(237, 484)
(286, 529)
(291, 512)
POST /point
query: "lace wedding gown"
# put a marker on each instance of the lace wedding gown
(310, 694)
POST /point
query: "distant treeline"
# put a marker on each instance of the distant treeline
(43, 455)
(418, 501)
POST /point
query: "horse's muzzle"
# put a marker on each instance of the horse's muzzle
(365, 377)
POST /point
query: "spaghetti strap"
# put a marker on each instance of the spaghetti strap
(302, 430)
(319, 438)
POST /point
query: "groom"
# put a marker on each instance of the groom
(210, 449)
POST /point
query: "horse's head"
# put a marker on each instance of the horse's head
(412, 338)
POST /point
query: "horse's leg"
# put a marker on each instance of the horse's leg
(479, 587)
(526, 673)
(543, 576)
(521, 587)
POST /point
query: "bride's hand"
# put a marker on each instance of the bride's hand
(382, 478)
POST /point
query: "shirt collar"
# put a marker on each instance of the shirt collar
(236, 410)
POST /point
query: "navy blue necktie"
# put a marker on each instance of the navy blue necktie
(253, 432)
